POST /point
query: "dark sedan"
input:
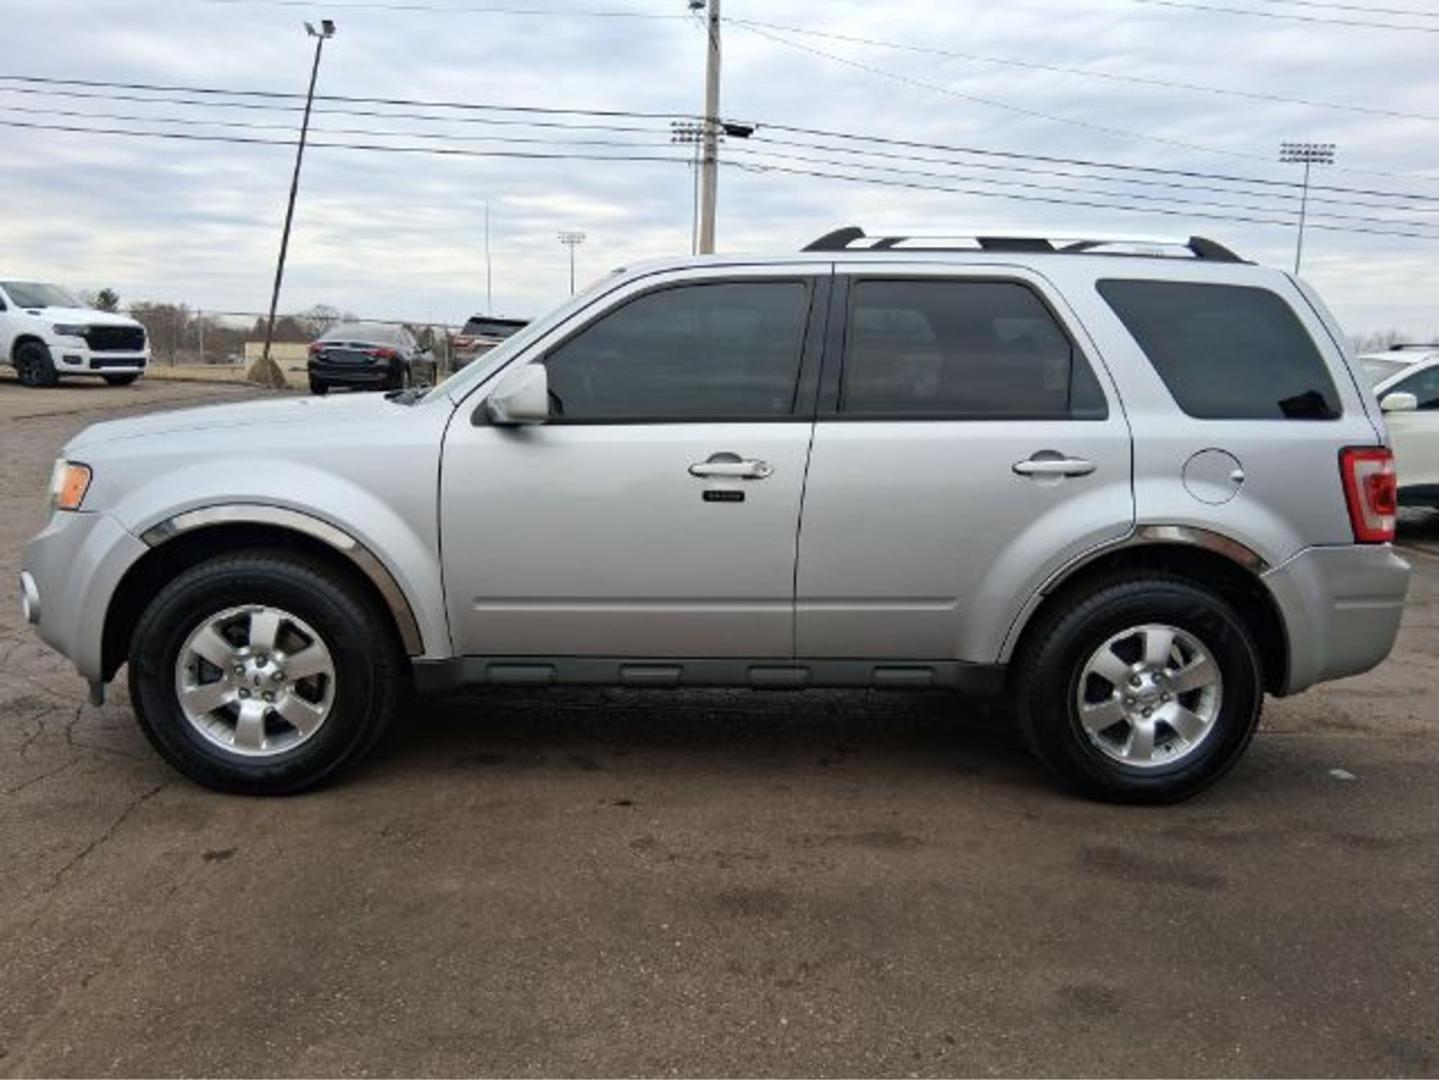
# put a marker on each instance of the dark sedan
(368, 356)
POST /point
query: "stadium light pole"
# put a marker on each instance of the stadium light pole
(1308, 154)
(572, 240)
(265, 370)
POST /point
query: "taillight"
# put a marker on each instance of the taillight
(463, 342)
(316, 348)
(1372, 490)
(382, 354)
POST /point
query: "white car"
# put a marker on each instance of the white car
(47, 332)
(1406, 382)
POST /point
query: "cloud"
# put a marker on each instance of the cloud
(401, 235)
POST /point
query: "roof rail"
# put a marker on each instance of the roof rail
(1402, 345)
(847, 239)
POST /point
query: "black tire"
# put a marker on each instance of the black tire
(319, 387)
(34, 366)
(399, 377)
(369, 683)
(1046, 686)
(122, 380)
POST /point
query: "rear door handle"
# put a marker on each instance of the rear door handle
(1051, 464)
(732, 467)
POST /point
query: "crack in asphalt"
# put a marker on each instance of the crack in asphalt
(109, 831)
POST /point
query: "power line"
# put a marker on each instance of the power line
(1039, 114)
(466, 114)
(1035, 65)
(535, 155)
(1291, 16)
(1167, 199)
(1066, 174)
(1364, 9)
(913, 185)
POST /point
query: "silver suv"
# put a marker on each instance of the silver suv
(1128, 488)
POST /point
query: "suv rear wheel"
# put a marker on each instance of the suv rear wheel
(1147, 689)
(263, 672)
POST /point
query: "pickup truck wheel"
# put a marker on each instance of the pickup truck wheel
(121, 380)
(34, 366)
(263, 672)
(1146, 690)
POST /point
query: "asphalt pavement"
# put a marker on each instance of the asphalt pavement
(707, 883)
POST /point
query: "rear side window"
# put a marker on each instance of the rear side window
(947, 349)
(1226, 352)
(717, 351)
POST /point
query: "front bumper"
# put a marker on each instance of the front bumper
(70, 571)
(74, 357)
(1341, 608)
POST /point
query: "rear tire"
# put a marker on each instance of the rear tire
(122, 380)
(264, 672)
(1159, 727)
(318, 387)
(34, 366)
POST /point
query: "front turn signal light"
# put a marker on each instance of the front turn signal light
(68, 485)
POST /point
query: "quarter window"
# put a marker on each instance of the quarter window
(961, 350)
(1226, 352)
(722, 350)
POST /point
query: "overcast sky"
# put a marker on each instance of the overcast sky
(401, 235)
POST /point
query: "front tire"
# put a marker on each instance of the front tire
(263, 672)
(1142, 690)
(34, 366)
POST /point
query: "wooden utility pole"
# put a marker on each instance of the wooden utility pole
(709, 158)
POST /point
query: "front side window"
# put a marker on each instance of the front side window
(961, 350)
(722, 350)
(1424, 385)
(1226, 352)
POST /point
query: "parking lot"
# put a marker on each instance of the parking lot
(721, 882)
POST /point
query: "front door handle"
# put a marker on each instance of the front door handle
(732, 467)
(1049, 463)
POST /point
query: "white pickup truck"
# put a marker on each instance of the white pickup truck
(47, 332)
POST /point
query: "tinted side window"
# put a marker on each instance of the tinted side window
(961, 350)
(1424, 386)
(721, 350)
(1226, 352)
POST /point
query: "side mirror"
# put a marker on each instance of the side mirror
(1399, 401)
(522, 397)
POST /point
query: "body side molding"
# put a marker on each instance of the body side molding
(362, 557)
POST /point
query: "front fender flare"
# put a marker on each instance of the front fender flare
(357, 553)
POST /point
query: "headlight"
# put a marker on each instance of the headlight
(68, 484)
(70, 330)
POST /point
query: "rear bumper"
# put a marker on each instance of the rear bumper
(1341, 608)
(351, 374)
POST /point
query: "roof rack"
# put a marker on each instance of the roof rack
(1401, 346)
(1197, 247)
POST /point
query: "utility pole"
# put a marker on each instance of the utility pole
(709, 157)
(691, 132)
(1308, 154)
(265, 370)
(572, 240)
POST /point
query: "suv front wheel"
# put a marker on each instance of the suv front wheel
(1147, 689)
(263, 672)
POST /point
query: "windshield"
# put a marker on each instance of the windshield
(36, 294)
(1376, 370)
(459, 384)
